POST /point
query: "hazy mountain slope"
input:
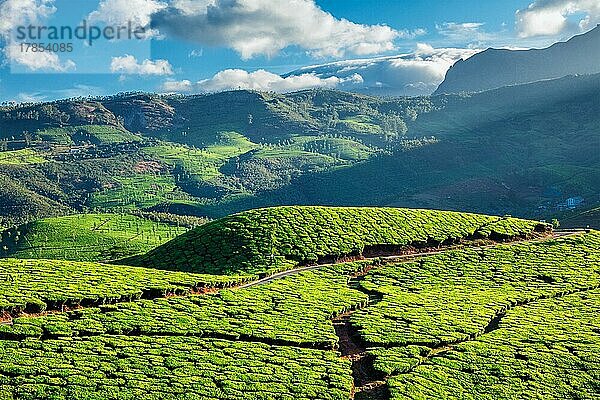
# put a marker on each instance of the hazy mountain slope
(578, 218)
(495, 68)
(146, 151)
(512, 150)
(20, 204)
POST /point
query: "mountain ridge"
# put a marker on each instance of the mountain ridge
(494, 68)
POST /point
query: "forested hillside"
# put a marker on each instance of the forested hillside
(522, 150)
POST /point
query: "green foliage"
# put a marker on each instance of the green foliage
(86, 237)
(202, 163)
(266, 240)
(21, 157)
(21, 204)
(312, 147)
(498, 323)
(507, 321)
(588, 217)
(361, 124)
(92, 134)
(296, 311)
(37, 285)
(168, 368)
(548, 350)
(452, 296)
(138, 191)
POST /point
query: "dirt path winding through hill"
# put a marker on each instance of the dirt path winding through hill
(417, 253)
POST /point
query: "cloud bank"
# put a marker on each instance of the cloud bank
(261, 80)
(554, 17)
(414, 74)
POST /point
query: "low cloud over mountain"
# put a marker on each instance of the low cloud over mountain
(414, 74)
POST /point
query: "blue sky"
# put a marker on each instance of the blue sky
(209, 45)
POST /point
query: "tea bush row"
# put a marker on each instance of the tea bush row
(295, 310)
(549, 349)
(450, 296)
(37, 285)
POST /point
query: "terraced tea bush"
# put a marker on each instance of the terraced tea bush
(296, 310)
(452, 296)
(168, 368)
(21, 157)
(95, 134)
(518, 320)
(548, 349)
(86, 237)
(36, 285)
(512, 321)
(267, 240)
(202, 163)
(139, 191)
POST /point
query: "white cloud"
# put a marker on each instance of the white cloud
(461, 31)
(553, 17)
(118, 12)
(413, 74)
(261, 80)
(39, 61)
(22, 13)
(470, 34)
(196, 53)
(418, 73)
(30, 97)
(184, 86)
(265, 27)
(129, 65)
(77, 90)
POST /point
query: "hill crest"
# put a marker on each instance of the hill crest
(269, 240)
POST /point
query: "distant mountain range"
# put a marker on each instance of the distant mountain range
(494, 68)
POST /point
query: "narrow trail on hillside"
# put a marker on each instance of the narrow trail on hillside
(368, 383)
(408, 253)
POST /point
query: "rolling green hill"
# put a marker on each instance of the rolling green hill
(589, 217)
(86, 237)
(267, 240)
(516, 150)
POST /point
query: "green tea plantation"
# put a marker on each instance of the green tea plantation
(306, 303)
